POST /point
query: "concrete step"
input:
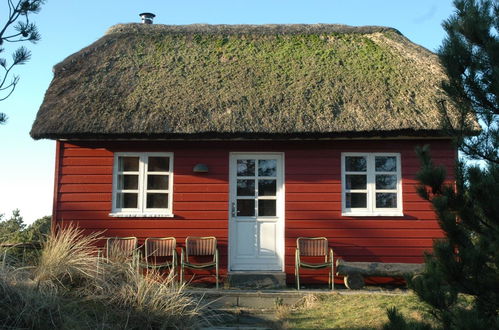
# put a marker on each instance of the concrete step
(248, 299)
(257, 280)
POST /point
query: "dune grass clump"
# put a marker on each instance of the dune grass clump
(67, 257)
(72, 288)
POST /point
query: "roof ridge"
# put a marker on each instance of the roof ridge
(249, 28)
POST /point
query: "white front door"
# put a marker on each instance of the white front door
(256, 222)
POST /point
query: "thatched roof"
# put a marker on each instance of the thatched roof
(159, 81)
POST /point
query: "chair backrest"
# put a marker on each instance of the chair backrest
(312, 246)
(121, 246)
(200, 246)
(160, 246)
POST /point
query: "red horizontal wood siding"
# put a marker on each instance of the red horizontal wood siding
(200, 201)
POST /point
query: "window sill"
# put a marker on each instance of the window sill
(375, 214)
(141, 215)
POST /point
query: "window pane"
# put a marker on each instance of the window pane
(159, 182)
(386, 181)
(128, 164)
(126, 200)
(267, 167)
(386, 164)
(386, 200)
(356, 181)
(356, 200)
(245, 187)
(246, 167)
(355, 164)
(157, 201)
(128, 181)
(267, 187)
(266, 207)
(158, 164)
(245, 207)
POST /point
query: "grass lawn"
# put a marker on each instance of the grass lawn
(350, 311)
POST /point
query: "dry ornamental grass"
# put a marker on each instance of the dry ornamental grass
(72, 288)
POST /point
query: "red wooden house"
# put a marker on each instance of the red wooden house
(254, 134)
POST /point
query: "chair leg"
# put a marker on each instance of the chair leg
(216, 267)
(298, 277)
(332, 277)
(217, 276)
(182, 274)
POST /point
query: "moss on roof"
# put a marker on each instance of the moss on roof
(243, 80)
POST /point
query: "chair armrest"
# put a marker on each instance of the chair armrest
(331, 255)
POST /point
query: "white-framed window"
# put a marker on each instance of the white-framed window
(371, 184)
(142, 184)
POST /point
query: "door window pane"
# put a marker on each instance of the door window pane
(267, 167)
(157, 182)
(266, 207)
(386, 200)
(267, 187)
(126, 182)
(127, 200)
(386, 181)
(126, 164)
(356, 200)
(246, 167)
(356, 181)
(355, 164)
(245, 207)
(245, 187)
(157, 201)
(386, 164)
(158, 164)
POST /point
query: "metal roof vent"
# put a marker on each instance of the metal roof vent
(147, 18)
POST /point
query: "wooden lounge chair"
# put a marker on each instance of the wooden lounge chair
(163, 248)
(199, 247)
(313, 247)
(121, 248)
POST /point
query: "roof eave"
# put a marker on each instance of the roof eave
(409, 133)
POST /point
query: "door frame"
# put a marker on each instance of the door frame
(280, 209)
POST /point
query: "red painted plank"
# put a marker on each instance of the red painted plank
(360, 232)
(86, 197)
(200, 197)
(82, 179)
(87, 161)
(84, 152)
(200, 206)
(79, 170)
(198, 179)
(165, 223)
(180, 234)
(374, 223)
(85, 188)
(200, 188)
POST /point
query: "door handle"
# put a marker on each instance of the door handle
(233, 209)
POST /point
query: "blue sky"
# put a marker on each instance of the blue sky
(66, 26)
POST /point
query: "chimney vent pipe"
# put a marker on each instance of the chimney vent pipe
(147, 18)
